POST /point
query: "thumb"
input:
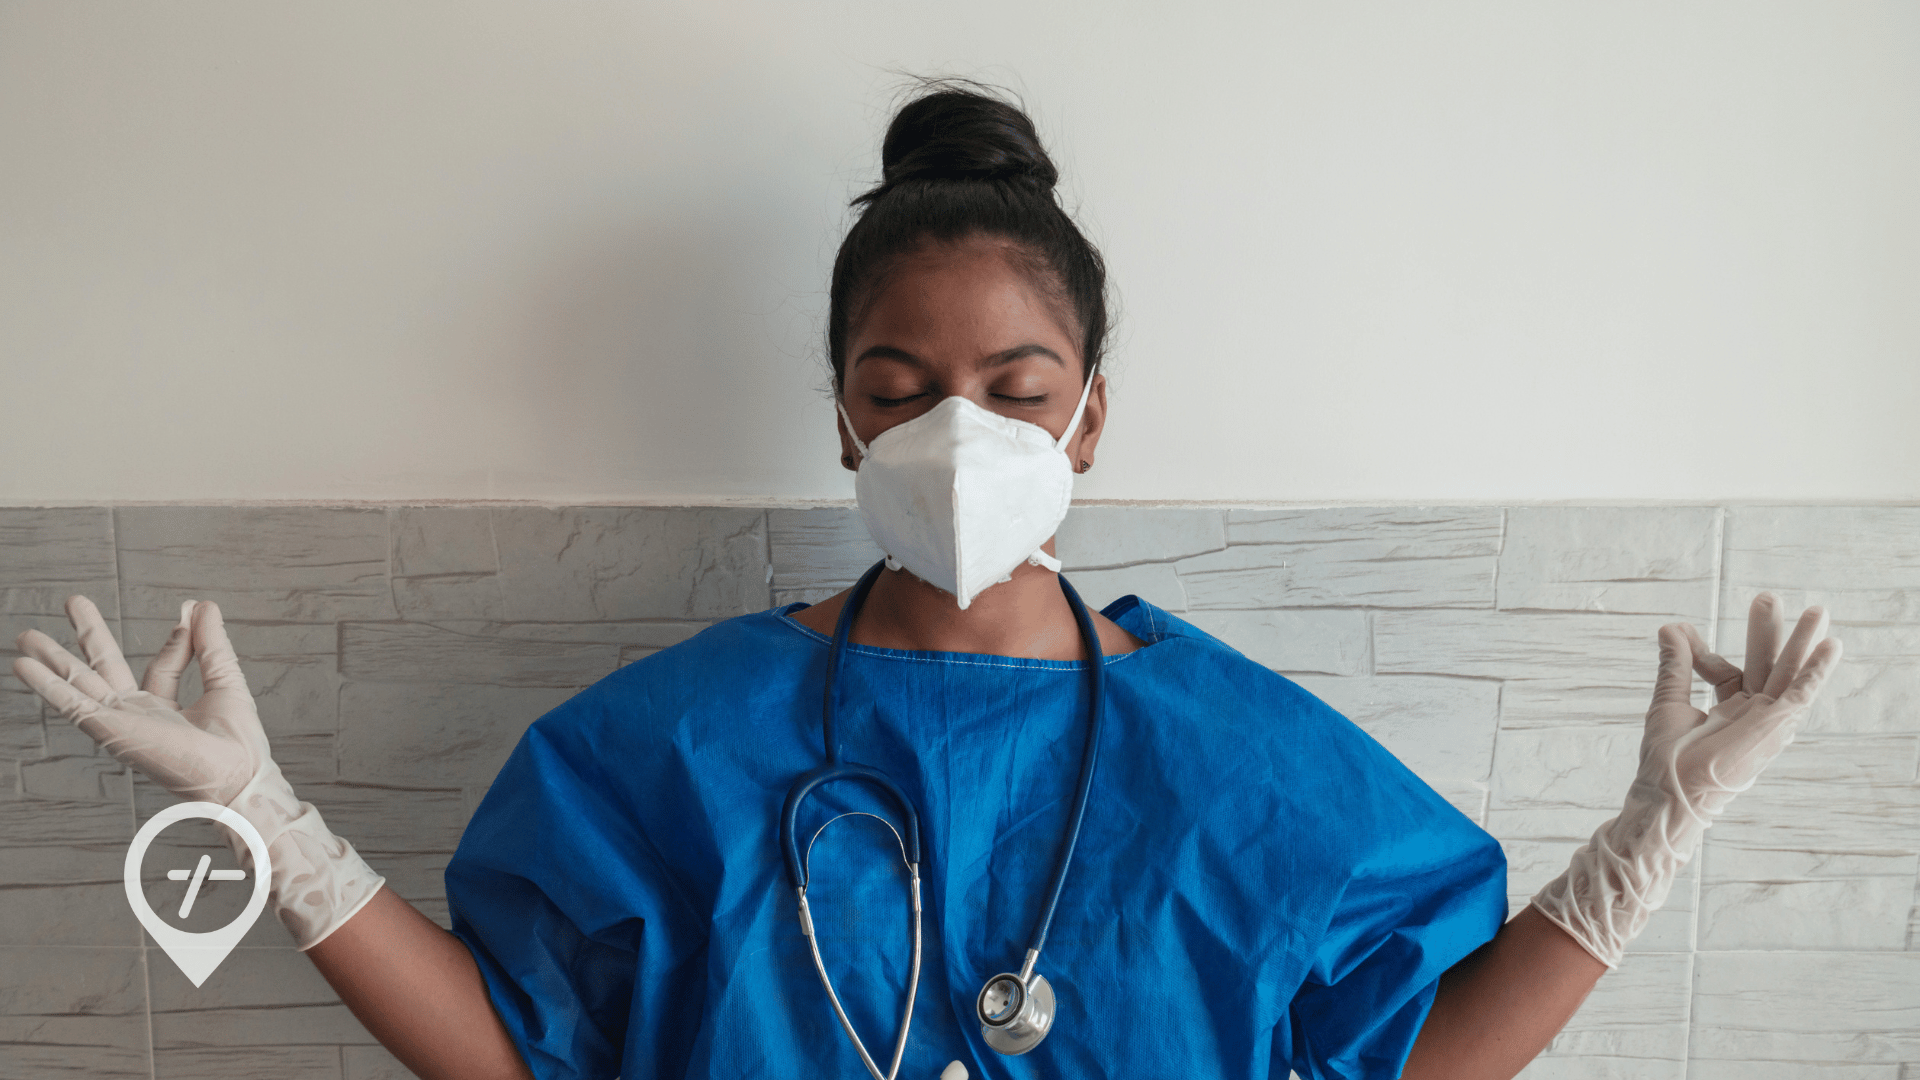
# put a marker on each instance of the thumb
(219, 668)
(170, 663)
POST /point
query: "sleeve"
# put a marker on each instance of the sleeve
(1426, 887)
(548, 893)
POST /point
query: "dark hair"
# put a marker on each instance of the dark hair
(956, 163)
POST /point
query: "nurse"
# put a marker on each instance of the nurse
(1254, 884)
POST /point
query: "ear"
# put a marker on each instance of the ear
(1093, 420)
(850, 454)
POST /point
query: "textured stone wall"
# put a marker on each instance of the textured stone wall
(1506, 654)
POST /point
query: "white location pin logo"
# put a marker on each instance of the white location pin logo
(196, 955)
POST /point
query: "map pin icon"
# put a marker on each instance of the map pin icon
(196, 955)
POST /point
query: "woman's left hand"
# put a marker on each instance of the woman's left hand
(1692, 763)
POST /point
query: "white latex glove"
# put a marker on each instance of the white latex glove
(1691, 765)
(215, 751)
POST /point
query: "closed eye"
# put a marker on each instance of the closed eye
(894, 402)
(1040, 399)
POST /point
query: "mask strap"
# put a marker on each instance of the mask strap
(1078, 410)
(848, 420)
(1041, 558)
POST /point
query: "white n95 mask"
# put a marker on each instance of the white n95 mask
(961, 496)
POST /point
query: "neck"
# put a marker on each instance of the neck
(1027, 616)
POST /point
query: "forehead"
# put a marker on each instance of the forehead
(975, 295)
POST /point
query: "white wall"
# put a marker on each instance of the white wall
(578, 252)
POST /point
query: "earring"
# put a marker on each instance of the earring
(1084, 466)
(847, 460)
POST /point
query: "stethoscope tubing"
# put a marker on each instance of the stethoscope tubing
(834, 769)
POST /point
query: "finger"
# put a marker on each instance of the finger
(1709, 665)
(1806, 686)
(60, 693)
(167, 667)
(1807, 633)
(219, 668)
(130, 736)
(1766, 625)
(1674, 684)
(65, 665)
(96, 642)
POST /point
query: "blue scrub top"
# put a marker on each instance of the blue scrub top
(1258, 886)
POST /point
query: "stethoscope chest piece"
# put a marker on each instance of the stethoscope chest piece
(1015, 1013)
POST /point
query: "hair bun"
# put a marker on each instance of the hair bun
(959, 134)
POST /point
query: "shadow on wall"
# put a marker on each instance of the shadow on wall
(1505, 654)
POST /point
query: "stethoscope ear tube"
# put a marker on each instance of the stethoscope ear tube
(1015, 1011)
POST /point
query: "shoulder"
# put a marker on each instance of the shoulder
(724, 665)
(1239, 715)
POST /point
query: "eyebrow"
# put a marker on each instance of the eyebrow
(1005, 356)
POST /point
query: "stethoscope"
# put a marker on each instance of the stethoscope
(1015, 1010)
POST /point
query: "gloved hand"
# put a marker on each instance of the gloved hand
(1691, 765)
(215, 751)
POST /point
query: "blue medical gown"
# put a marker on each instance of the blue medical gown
(1258, 885)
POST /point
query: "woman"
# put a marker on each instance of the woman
(1258, 886)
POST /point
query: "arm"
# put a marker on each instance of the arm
(1497, 1009)
(417, 989)
(1502, 1005)
(415, 986)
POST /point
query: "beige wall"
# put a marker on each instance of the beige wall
(577, 251)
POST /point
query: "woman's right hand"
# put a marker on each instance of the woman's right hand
(214, 751)
(207, 752)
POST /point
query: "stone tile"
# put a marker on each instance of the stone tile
(650, 633)
(1313, 642)
(47, 555)
(93, 778)
(1611, 652)
(1404, 557)
(1781, 1070)
(248, 1063)
(1862, 563)
(21, 733)
(1110, 537)
(431, 540)
(255, 998)
(1874, 691)
(29, 1060)
(1602, 1068)
(439, 735)
(303, 564)
(1638, 1011)
(591, 563)
(379, 818)
(817, 552)
(1828, 806)
(1570, 701)
(1652, 559)
(1585, 768)
(61, 868)
(92, 1001)
(416, 652)
(1442, 729)
(1828, 1007)
(1409, 532)
(1836, 913)
(1156, 583)
(372, 1063)
(444, 565)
